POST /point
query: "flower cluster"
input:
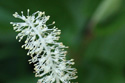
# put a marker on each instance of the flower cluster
(47, 55)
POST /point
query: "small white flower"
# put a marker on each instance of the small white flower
(46, 53)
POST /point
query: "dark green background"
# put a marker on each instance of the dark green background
(93, 29)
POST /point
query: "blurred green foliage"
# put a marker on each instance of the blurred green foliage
(93, 29)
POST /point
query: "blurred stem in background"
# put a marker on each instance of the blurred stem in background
(105, 9)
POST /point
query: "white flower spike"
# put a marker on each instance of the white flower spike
(48, 55)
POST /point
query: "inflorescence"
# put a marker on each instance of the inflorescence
(47, 55)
